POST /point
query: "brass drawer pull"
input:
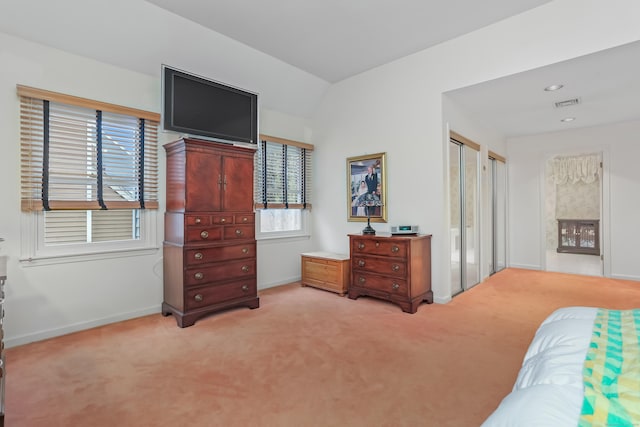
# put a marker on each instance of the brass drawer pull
(198, 255)
(198, 221)
(377, 244)
(395, 267)
(245, 288)
(199, 276)
(394, 249)
(362, 279)
(360, 245)
(238, 232)
(245, 268)
(395, 286)
(223, 220)
(198, 297)
(204, 234)
(361, 263)
(245, 250)
(245, 219)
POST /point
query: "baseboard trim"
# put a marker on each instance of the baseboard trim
(77, 327)
(442, 300)
(525, 266)
(263, 286)
(625, 277)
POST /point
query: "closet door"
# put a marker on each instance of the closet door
(498, 213)
(464, 159)
(455, 212)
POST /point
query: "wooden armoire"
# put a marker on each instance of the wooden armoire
(209, 235)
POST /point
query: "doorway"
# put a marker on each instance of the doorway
(573, 214)
(464, 233)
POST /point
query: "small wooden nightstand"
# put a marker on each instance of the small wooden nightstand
(326, 270)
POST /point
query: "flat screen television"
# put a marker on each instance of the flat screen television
(197, 106)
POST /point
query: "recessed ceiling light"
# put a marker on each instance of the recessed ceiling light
(553, 87)
(568, 119)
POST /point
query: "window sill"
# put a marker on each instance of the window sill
(281, 238)
(93, 256)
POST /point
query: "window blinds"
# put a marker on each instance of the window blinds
(83, 154)
(283, 171)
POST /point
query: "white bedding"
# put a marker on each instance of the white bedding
(549, 389)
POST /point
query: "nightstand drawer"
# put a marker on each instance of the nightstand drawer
(379, 247)
(378, 265)
(384, 284)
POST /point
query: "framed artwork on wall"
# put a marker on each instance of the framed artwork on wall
(367, 188)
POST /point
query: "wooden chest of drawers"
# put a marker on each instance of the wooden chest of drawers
(209, 241)
(326, 270)
(393, 268)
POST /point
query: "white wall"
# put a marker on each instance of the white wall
(49, 300)
(279, 259)
(397, 108)
(527, 155)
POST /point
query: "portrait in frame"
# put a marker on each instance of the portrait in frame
(367, 188)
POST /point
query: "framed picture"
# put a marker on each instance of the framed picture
(367, 188)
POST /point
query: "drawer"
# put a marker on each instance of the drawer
(389, 285)
(203, 234)
(222, 219)
(320, 270)
(379, 247)
(219, 253)
(198, 220)
(388, 266)
(239, 232)
(200, 275)
(244, 219)
(215, 294)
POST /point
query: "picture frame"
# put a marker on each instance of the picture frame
(360, 187)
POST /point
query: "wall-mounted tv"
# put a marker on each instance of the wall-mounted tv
(197, 106)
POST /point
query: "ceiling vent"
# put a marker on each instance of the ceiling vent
(567, 103)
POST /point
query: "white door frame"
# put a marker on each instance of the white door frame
(605, 230)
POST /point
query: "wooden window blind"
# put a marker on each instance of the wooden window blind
(283, 172)
(79, 154)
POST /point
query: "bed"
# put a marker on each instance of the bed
(557, 382)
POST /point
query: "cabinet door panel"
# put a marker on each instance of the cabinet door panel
(238, 188)
(204, 180)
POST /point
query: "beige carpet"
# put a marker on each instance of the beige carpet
(306, 357)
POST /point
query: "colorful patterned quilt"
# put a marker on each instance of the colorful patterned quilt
(612, 371)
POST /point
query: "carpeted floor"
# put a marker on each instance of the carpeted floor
(306, 357)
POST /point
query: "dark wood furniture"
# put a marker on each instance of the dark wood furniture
(3, 277)
(393, 268)
(209, 233)
(326, 270)
(579, 236)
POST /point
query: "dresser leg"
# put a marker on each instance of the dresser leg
(429, 297)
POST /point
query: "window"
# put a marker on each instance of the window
(282, 186)
(89, 173)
